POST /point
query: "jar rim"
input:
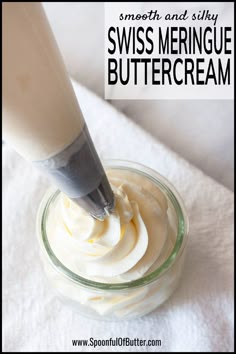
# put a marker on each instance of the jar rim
(182, 229)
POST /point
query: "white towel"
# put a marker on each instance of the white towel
(199, 315)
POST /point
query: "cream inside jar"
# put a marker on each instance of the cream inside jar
(129, 244)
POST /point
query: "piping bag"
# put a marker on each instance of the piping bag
(42, 119)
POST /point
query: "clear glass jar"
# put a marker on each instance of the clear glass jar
(118, 301)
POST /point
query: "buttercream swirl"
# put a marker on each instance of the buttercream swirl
(131, 242)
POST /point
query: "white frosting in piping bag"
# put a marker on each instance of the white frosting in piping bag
(41, 115)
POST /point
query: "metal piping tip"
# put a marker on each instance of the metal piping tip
(107, 211)
(100, 202)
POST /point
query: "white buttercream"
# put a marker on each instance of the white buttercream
(132, 242)
(134, 239)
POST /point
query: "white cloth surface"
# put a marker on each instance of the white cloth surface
(199, 315)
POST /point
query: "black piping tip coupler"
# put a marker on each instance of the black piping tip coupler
(78, 172)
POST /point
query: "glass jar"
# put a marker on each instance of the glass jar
(118, 301)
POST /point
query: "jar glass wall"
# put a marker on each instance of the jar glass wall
(124, 300)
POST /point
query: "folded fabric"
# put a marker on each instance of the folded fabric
(199, 315)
